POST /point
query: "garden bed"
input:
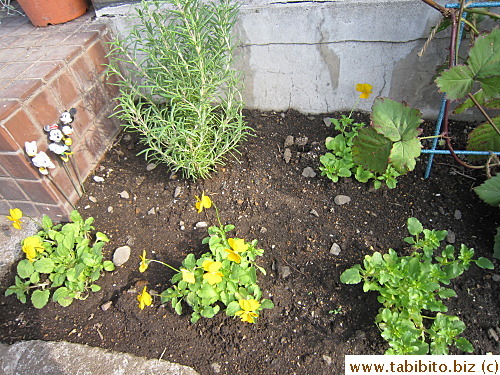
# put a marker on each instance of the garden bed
(316, 319)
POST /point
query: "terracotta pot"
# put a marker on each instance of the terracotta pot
(53, 12)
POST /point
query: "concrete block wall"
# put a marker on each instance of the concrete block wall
(309, 55)
(43, 72)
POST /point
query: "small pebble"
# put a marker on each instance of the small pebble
(263, 230)
(285, 271)
(327, 121)
(301, 141)
(308, 172)
(335, 249)
(177, 191)
(105, 306)
(124, 194)
(121, 255)
(93, 199)
(152, 211)
(450, 237)
(288, 141)
(201, 224)
(458, 214)
(341, 199)
(287, 155)
(314, 213)
(150, 166)
(110, 209)
(98, 179)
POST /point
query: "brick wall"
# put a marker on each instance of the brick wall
(43, 72)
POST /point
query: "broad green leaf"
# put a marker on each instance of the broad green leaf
(456, 82)
(491, 86)
(178, 307)
(95, 288)
(394, 120)
(371, 150)
(99, 236)
(464, 345)
(447, 293)
(108, 265)
(39, 298)
(75, 216)
(35, 278)
(403, 155)
(44, 265)
(232, 308)
(267, 304)
(46, 222)
(484, 56)
(414, 226)
(484, 138)
(63, 296)
(479, 96)
(350, 276)
(489, 191)
(25, 269)
(485, 263)
(189, 262)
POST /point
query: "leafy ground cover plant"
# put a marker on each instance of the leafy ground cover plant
(411, 289)
(380, 152)
(225, 276)
(60, 261)
(177, 87)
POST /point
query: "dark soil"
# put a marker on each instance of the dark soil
(317, 320)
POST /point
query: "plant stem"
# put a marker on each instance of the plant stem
(165, 264)
(488, 118)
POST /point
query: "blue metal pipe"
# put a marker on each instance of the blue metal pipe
(475, 5)
(458, 152)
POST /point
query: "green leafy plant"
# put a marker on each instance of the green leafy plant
(177, 87)
(391, 140)
(60, 261)
(411, 289)
(339, 162)
(481, 69)
(489, 192)
(224, 276)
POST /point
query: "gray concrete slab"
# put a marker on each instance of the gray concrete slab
(62, 358)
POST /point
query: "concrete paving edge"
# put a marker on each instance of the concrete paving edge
(63, 358)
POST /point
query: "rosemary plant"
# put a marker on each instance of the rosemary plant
(177, 87)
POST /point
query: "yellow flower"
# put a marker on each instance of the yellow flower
(144, 299)
(203, 202)
(144, 262)
(15, 216)
(365, 89)
(213, 276)
(188, 276)
(32, 246)
(248, 308)
(238, 245)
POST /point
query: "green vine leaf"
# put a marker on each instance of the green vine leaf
(489, 191)
(392, 139)
(484, 138)
(39, 298)
(482, 65)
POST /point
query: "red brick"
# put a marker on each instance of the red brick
(3, 172)
(44, 108)
(97, 54)
(83, 71)
(27, 208)
(33, 54)
(22, 128)
(12, 55)
(33, 40)
(9, 189)
(65, 90)
(9, 41)
(14, 70)
(63, 53)
(7, 107)
(39, 191)
(19, 166)
(81, 38)
(83, 117)
(5, 206)
(43, 70)
(59, 213)
(20, 89)
(7, 143)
